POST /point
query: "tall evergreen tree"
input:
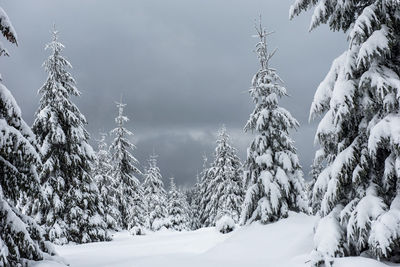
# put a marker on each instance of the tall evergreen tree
(155, 196)
(21, 239)
(178, 218)
(358, 188)
(274, 178)
(127, 186)
(74, 212)
(225, 186)
(103, 177)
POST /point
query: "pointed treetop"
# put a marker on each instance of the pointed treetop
(153, 160)
(101, 143)
(172, 183)
(222, 134)
(262, 47)
(205, 160)
(121, 118)
(55, 33)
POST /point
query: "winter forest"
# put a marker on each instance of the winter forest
(70, 197)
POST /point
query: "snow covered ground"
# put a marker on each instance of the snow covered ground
(286, 243)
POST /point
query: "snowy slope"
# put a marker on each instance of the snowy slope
(285, 243)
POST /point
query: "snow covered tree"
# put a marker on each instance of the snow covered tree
(358, 188)
(128, 191)
(193, 199)
(177, 209)
(225, 186)
(155, 196)
(274, 178)
(205, 194)
(74, 211)
(103, 176)
(21, 239)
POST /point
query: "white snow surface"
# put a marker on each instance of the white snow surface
(286, 243)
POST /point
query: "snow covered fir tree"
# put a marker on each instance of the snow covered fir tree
(178, 217)
(193, 198)
(204, 194)
(155, 196)
(274, 179)
(21, 239)
(224, 188)
(358, 188)
(73, 210)
(102, 174)
(126, 186)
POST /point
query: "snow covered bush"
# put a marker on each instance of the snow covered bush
(21, 239)
(137, 230)
(225, 224)
(359, 133)
(274, 179)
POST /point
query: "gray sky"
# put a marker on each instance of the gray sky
(183, 67)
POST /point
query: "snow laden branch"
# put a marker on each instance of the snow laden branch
(356, 175)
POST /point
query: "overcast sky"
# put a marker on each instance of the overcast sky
(183, 67)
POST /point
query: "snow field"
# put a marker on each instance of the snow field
(286, 243)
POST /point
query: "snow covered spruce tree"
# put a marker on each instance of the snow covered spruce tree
(127, 187)
(178, 218)
(103, 176)
(225, 186)
(21, 239)
(155, 197)
(359, 187)
(273, 175)
(193, 199)
(205, 194)
(74, 211)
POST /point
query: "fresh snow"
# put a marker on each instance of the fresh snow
(286, 243)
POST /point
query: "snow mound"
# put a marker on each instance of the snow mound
(225, 224)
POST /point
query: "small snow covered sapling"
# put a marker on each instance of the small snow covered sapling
(225, 224)
(102, 174)
(224, 188)
(155, 197)
(178, 217)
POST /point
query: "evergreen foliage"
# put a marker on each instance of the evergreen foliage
(21, 239)
(127, 188)
(358, 187)
(177, 209)
(274, 179)
(74, 210)
(103, 176)
(155, 197)
(225, 186)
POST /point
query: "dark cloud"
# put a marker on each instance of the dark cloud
(183, 67)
